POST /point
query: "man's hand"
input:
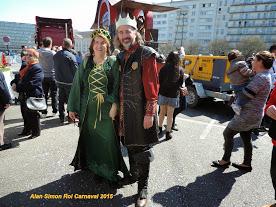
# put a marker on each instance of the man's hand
(148, 122)
(271, 112)
(113, 111)
(73, 116)
(7, 106)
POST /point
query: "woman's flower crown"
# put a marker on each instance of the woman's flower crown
(101, 32)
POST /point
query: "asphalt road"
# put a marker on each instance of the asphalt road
(180, 175)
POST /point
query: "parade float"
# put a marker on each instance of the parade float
(3, 62)
(108, 12)
(4, 67)
(57, 29)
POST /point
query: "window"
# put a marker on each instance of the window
(205, 19)
(194, 6)
(203, 5)
(162, 35)
(192, 20)
(210, 12)
(202, 12)
(193, 13)
(205, 27)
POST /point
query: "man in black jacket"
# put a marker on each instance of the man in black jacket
(4, 104)
(65, 64)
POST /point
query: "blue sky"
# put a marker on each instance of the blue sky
(82, 12)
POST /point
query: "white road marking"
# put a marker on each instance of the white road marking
(208, 127)
(201, 122)
(207, 130)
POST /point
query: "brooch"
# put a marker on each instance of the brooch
(134, 65)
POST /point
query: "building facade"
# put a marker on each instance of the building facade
(197, 20)
(251, 18)
(19, 33)
(82, 41)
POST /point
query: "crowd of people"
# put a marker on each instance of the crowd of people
(117, 96)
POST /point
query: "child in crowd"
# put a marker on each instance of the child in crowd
(239, 75)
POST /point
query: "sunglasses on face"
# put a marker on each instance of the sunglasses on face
(29, 55)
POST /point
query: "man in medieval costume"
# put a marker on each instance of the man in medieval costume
(138, 102)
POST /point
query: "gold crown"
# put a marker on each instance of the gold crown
(126, 21)
(101, 32)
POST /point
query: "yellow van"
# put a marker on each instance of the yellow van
(207, 78)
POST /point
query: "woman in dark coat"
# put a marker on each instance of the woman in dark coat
(4, 104)
(30, 85)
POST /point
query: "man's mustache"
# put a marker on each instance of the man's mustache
(126, 39)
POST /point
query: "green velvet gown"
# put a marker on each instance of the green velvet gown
(94, 89)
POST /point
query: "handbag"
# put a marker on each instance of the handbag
(36, 104)
(272, 130)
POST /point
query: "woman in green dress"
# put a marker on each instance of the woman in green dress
(93, 100)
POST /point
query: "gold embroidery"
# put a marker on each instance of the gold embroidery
(96, 86)
(134, 65)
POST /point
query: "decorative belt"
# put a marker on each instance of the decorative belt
(100, 100)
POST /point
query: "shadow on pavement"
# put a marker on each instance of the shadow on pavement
(51, 123)
(239, 144)
(207, 190)
(11, 133)
(81, 183)
(214, 109)
(13, 121)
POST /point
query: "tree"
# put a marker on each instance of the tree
(219, 47)
(251, 45)
(192, 48)
(166, 48)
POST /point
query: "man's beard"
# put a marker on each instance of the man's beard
(126, 45)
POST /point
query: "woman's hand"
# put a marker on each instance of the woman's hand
(113, 111)
(184, 91)
(13, 87)
(271, 112)
(73, 116)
